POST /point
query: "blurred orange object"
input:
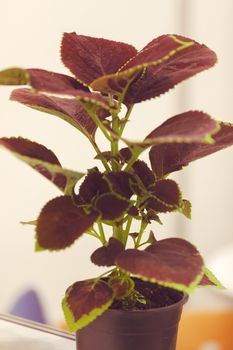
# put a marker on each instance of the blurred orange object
(206, 331)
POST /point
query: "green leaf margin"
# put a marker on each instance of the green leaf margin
(85, 319)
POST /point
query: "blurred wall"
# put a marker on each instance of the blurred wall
(30, 34)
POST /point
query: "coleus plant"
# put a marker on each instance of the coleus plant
(105, 76)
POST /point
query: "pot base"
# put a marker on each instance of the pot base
(152, 329)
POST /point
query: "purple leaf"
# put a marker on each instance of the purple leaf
(133, 211)
(191, 126)
(172, 262)
(166, 196)
(93, 185)
(171, 157)
(89, 58)
(170, 59)
(46, 81)
(106, 255)
(70, 110)
(120, 182)
(144, 173)
(111, 207)
(41, 159)
(163, 63)
(84, 301)
(125, 154)
(60, 223)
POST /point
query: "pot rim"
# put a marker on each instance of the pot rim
(181, 302)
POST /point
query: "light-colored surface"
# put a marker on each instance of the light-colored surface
(13, 336)
(30, 33)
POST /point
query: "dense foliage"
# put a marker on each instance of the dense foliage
(106, 76)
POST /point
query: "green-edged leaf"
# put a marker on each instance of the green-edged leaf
(165, 197)
(186, 208)
(89, 58)
(106, 255)
(51, 82)
(85, 301)
(120, 182)
(60, 223)
(111, 206)
(41, 80)
(94, 101)
(171, 262)
(144, 173)
(210, 280)
(68, 109)
(187, 127)
(93, 185)
(14, 76)
(158, 67)
(168, 158)
(169, 60)
(42, 160)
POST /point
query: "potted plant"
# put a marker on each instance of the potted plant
(137, 302)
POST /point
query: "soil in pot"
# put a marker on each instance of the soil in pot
(140, 325)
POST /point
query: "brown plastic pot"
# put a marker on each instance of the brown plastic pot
(153, 329)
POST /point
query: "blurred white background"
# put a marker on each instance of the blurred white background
(30, 35)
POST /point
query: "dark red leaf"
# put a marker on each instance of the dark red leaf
(30, 149)
(191, 126)
(84, 301)
(144, 173)
(92, 186)
(173, 262)
(176, 59)
(89, 58)
(60, 223)
(106, 255)
(125, 154)
(38, 157)
(166, 196)
(167, 158)
(152, 215)
(70, 110)
(163, 63)
(111, 207)
(46, 81)
(120, 182)
(133, 211)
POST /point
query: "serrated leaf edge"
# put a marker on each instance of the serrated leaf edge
(86, 318)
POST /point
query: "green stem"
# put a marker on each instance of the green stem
(141, 231)
(101, 232)
(127, 229)
(99, 123)
(117, 233)
(125, 119)
(131, 161)
(98, 151)
(103, 274)
(93, 233)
